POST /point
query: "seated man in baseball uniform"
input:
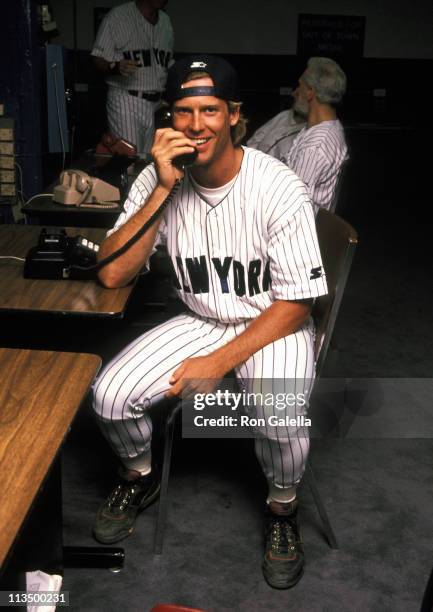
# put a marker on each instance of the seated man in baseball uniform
(319, 149)
(241, 235)
(276, 136)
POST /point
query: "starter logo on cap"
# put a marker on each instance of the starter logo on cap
(198, 65)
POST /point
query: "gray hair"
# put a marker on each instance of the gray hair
(327, 79)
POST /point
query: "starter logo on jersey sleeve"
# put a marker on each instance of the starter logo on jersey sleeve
(316, 273)
(191, 274)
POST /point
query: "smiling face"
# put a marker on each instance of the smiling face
(207, 121)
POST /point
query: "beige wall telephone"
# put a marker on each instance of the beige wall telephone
(77, 188)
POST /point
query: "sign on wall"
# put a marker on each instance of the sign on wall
(330, 35)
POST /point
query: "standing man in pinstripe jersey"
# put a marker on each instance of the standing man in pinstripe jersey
(240, 232)
(319, 149)
(133, 49)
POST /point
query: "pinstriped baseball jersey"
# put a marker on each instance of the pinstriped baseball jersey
(277, 135)
(233, 260)
(316, 157)
(126, 34)
(131, 118)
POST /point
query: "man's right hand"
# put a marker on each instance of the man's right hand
(127, 67)
(167, 145)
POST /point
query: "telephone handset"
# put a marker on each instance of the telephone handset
(77, 188)
(164, 119)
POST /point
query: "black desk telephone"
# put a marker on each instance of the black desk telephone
(58, 256)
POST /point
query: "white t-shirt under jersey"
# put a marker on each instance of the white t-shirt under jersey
(231, 261)
(316, 157)
(125, 34)
(215, 195)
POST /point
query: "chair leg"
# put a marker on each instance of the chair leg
(330, 536)
(163, 495)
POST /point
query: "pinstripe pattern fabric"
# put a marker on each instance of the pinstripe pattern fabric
(131, 118)
(233, 260)
(137, 378)
(126, 34)
(228, 268)
(316, 157)
(285, 366)
(277, 135)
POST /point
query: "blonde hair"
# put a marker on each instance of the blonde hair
(237, 131)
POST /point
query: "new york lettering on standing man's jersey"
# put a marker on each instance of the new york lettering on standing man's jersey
(126, 34)
(233, 260)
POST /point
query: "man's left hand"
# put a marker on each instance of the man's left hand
(196, 375)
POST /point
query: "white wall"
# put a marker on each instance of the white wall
(394, 28)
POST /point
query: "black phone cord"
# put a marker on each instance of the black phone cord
(135, 237)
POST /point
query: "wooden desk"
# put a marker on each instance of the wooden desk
(40, 392)
(52, 296)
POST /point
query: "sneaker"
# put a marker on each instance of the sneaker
(283, 563)
(116, 517)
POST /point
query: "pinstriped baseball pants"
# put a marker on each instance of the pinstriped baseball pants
(138, 376)
(131, 118)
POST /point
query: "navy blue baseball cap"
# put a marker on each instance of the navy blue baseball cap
(223, 75)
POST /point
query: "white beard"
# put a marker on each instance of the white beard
(301, 107)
